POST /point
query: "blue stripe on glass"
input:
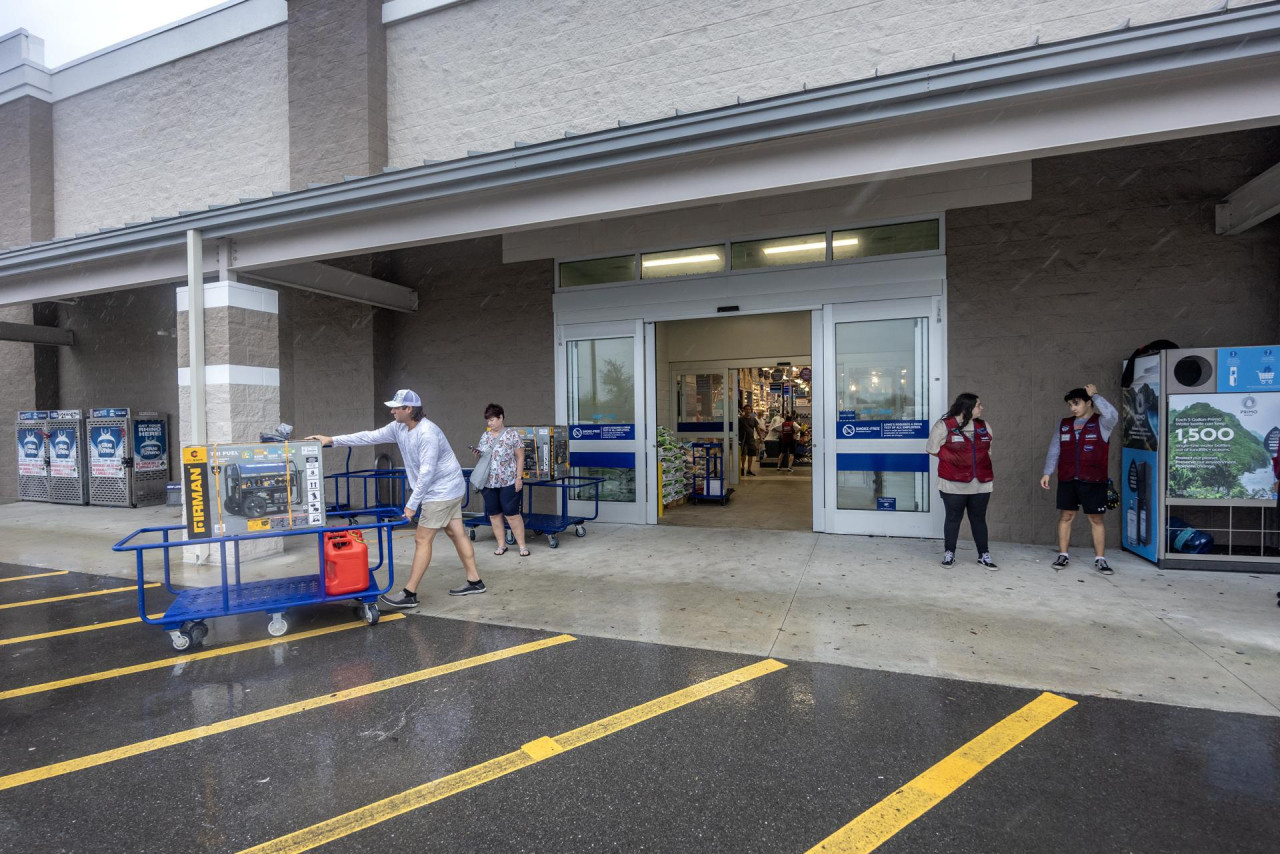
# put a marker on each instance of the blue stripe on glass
(882, 462)
(601, 459)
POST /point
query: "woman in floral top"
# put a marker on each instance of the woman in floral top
(501, 493)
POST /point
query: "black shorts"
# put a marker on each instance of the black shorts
(1077, 494)
(501, 499)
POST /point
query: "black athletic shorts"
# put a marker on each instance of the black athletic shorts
(501, 499)
(1076, 494)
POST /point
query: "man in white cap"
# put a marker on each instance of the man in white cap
(438, 489)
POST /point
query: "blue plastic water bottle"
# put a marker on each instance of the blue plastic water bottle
(1188, 540)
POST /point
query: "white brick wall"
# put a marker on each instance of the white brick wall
(209, 128)
(482, 74)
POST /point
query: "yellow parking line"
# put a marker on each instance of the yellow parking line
(107, 625)
(533, 752)
(132, 588)
(36, 575)
(22, 778)
(875, 826)
(179, 659)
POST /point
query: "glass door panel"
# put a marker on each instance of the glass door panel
(883, 389)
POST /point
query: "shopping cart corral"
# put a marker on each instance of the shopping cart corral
(336, 579)
(551, 524)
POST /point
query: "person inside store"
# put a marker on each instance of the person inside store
(1078, 452)
(504, 485)
(961, 440)
(748, 440)
(437, 489)
(771, 440)
(787, 431)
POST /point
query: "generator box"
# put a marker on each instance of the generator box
(239, 489)
(546, 451)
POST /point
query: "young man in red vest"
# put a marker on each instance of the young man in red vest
(1078, 452)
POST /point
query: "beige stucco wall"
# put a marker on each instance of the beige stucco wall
(209, 128)
(482, 74)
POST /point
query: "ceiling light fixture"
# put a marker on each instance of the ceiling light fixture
(797, 247)
(848, 241)
(688, 259)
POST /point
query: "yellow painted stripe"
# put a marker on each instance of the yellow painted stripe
(179, 659)
(533, 752)
(132, 588)
(36, 575)
(870, 830)
(11, 781)
(73, 631)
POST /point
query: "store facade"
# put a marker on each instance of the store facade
(1012, 224)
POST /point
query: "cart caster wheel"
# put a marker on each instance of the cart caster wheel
(511, 538)
(180, 639)
(278, 626)
(579, 531)
(198, 631)
(554, 542)
(369, 612)
(471, 534)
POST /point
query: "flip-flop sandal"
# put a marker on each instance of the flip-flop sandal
(524, 553)
(500, 551)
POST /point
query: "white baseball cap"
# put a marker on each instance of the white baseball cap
(405, 397)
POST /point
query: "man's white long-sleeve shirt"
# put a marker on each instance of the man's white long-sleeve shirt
(431, 468)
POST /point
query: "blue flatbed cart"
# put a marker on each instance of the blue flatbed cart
(550, 524)
(382, 494)
(185, 617)
(708, 474)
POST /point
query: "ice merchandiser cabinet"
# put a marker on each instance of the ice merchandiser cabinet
(128, 457)
(1200, 428)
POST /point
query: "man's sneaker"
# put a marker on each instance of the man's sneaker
(1100, 564)
(985, 560)
(948, 558)
(1061, 561)
(402, 601)
(469, 588)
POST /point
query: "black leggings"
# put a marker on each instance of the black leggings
(976, 504)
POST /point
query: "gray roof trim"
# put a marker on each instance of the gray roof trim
(1228, 36)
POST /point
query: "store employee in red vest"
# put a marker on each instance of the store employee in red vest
(1078, 452)
(961, 441)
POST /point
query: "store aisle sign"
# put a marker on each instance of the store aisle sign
(106, 452)
(150, 446)
(1248, 369)
(848, 428)
(602, 432)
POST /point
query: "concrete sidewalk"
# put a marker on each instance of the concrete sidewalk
(1209, 640)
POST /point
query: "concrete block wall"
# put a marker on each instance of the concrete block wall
(125, 352)
(1115, 249)
(482, 74)
(209, 128)
(326, 370)
(482, 334)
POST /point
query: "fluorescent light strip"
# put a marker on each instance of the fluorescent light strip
(688, 259)
(795, 247)
(849, 241)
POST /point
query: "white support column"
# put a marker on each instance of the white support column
(195, 333)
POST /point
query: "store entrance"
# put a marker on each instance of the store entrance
(716, 471)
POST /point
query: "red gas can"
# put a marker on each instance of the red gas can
(346, 563)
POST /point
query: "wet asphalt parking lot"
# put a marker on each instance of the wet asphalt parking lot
(425, 734)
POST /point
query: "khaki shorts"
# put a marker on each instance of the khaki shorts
(438, 514)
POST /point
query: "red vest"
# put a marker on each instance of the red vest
(964, 459)
(1085, 458)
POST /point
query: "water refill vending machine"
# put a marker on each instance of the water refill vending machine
(1200, 429)
(32, 435)
(128, 457)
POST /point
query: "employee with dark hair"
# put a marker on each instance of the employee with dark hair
(961, 440)
(1078, 452)
(501, 490)
(435, 479)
